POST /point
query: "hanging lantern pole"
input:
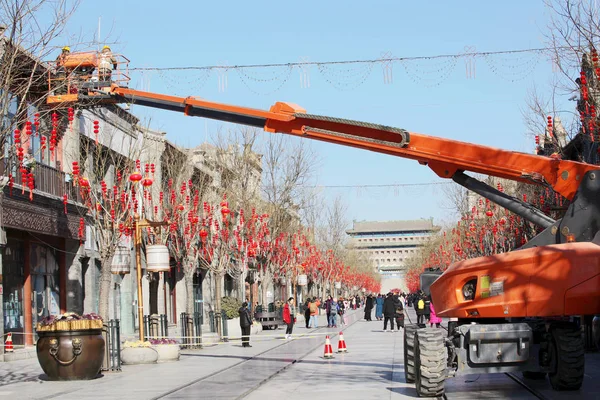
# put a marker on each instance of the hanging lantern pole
(138, 263)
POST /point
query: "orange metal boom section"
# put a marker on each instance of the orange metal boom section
(443, 156)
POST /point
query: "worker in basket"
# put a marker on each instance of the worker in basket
(106, 64)
(60, 79)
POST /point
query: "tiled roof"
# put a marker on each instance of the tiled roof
(392, 226)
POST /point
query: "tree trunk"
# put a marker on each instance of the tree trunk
(189, 289)
(153, 294)
(218, 295)
(264, 289)
(104, 291)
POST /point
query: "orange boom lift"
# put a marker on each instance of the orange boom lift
(509, 312)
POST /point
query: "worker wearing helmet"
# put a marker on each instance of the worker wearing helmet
(106, 64)
(60, 83)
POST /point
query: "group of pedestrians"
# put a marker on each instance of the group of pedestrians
(388, 308)
(335, 309)
(425, 310)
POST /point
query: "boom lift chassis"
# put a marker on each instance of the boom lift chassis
(524, 322)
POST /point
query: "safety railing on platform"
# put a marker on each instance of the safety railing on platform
(191, 330)
(156, 326)
(112, 338)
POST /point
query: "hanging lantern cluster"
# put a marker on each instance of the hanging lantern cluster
(54, 133)
(36, 124)
(70, 117)
(75, 168)
(28, 128)
(81, 233)
(96, 129)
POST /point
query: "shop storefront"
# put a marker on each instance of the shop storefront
(31, 285)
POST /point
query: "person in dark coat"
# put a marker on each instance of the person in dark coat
(399, 314)
(368, 308)
(245, 324)
(307, 312)
(389, 310)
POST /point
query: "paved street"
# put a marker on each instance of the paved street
(372, 369)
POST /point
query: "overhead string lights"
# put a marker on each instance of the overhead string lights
(429, 71)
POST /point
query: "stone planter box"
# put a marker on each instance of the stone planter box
(167, 352)
(139, 355)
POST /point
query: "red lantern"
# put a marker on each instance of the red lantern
(147, 182)
(489, 213)
(135, 177)
(84, 183)
(96, 129)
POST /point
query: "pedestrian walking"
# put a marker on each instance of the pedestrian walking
(314, 313)
(420, 308)
(307, 312)
(379, 307)
(328, 304)
(288, 317)
(368, 308)
(245, 324)
(342, 311)
(427, 309)
(333, 313)
(399, 315)
(389, 310)
(433, 318)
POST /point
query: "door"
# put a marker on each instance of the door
(45, 281)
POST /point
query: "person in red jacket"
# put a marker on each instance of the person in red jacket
(288, 317)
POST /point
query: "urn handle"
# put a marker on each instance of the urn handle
(75, 343)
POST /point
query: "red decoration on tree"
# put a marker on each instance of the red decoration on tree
(96, 129)
(135, 177)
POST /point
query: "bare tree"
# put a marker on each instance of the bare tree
(29, 28)
(102, 178)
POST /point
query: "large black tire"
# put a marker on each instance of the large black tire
(568, 358)
(409, 352)
(431, 362)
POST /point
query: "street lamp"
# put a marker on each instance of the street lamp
(138, 263)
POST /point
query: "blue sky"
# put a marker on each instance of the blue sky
(485, 110)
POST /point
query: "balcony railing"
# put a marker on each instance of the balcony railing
(47, 180)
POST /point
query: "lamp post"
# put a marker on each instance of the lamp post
(138, 263)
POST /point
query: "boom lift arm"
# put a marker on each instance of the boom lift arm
(445, 157)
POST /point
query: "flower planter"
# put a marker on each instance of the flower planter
(139, 355)
(71, 350)
(167, 352)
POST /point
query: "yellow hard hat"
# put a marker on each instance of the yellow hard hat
(106, 47)
(66, 48)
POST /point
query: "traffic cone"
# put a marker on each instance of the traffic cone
(342, 344)
(8, 345)
(328, 350)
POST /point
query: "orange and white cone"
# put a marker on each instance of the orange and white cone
(328, 353)
(8, 344)
(342, 344)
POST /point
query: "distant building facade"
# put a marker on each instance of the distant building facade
(388, 244)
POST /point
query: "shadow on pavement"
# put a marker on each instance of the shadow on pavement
(9, 378)
(405, 391)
